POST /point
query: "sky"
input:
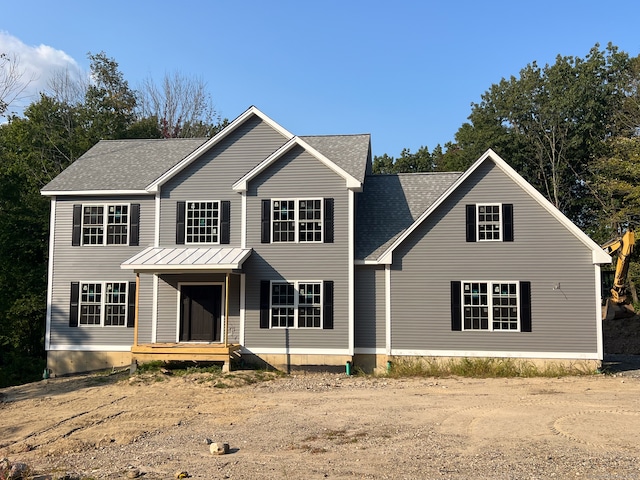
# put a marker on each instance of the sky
(406, 72)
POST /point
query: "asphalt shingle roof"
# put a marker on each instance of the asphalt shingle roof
(134, 164)
(123, 164)
(389, 204)
(349, 152)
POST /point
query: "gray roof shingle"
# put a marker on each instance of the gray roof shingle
(349, 152)
(389, 204)
(122, 164)
(134, 164)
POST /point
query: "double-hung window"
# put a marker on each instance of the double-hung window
(297, 220)
(202, 222)
(308, 220)
(98, 219)
(106, 304)
(106, 224)
(103, 304)
(489, 222)
(491, 305)
(296, 304)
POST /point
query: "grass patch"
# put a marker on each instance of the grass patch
(211, 369)
(484, 368)
(202, 373)
(150, 367)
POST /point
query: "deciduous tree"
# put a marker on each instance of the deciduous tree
(182, 106)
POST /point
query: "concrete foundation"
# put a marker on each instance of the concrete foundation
(287, 363)
(371, 363)
(61, 362)
(67, 362)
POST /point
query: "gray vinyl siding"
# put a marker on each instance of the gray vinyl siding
(370, 324)
(544, 252)
(211, 176)
(168, 309)
(297, 175)
(95, 264)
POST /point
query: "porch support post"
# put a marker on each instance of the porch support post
(135, 325)
(226, 310)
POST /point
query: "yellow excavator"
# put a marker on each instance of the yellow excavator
(619, 305)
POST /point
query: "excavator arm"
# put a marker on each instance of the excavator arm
(623, 247)
(618, 306)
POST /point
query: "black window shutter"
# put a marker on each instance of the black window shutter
(77, 225)
(327, 305)
(456, 306)
(265, 293)
(131, 303)
(328, 220)
(471, 223)
(180, 211)
(507, 222)
(73, 307)
(225, 218)
(525, 306)
(134, 225)
(266, 221)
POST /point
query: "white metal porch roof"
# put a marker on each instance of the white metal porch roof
(176, 259)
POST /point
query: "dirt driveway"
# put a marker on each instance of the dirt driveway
(312, 426)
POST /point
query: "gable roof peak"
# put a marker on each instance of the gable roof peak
(217, 138)
(598, 255)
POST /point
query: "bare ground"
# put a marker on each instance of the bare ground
(310, 426)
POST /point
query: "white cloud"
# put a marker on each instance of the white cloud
(38, 63)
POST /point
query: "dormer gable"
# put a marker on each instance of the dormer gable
(348, 171)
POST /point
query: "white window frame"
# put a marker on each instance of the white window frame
(297, 221)
(105, 224)
(490, 306)
(103, 303)
(296, 304)
(480, 223)
(217, 226)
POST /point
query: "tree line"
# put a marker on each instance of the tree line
(572, 129)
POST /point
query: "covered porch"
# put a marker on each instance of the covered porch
(202, 331)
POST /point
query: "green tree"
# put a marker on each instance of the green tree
(109, 102)
(23, 261)
(407, 162)
(383, 164)
(550, 123)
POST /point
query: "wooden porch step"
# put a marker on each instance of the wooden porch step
(185, 352)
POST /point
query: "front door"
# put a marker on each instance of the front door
(200, 309)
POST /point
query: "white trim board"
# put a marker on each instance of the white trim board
(89, 348)
(295, 351)
(52, 229)
(242, 184)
